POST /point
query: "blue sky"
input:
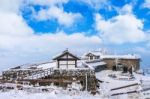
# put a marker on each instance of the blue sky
(35, 30)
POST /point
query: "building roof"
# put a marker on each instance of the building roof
(46, 65)
(113, 56)
(95, 64)
(64, 53)
(95, 53)
(128, 56)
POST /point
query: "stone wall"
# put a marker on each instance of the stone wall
(64, 77)
(127, 62)
(16, 74)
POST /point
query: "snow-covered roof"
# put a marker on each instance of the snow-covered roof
(128, 56)
(96, 53)
(63, 53)
(15, 70)
(106, 55)
(47, 65)
(95, 64)
(53, 64)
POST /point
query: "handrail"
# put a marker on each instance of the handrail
(44, 72)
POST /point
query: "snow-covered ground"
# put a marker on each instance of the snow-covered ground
(53, 93)
(45, 95)
(122, 84)
(139, 83)
(121, 78)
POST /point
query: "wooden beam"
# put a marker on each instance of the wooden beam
(58, 63)
(124, 86)
(75, 63)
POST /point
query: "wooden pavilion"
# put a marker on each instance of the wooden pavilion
(66, 60)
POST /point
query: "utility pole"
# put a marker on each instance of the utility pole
(116, 62)
(86, 82)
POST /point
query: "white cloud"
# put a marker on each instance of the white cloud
(35, 48)
(45, 41)
(13, 24)
(19, 44)
(148, 38)
(127, 9)
(148, 43)
(121, 29)
(59, 14)
(97, 4)
(54, 11)
(142, 50)
(146, 4)
(48, 2)
(10, 5)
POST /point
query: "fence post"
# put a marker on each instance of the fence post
(86, 82)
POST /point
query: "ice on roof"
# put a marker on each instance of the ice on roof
(53, 64)
(106, 55)
(95, 64)
(47, 65)
(66, 51)
(128, 56)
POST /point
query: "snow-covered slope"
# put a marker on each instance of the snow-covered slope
(53, 94)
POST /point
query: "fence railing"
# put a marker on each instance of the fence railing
(43, 73)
